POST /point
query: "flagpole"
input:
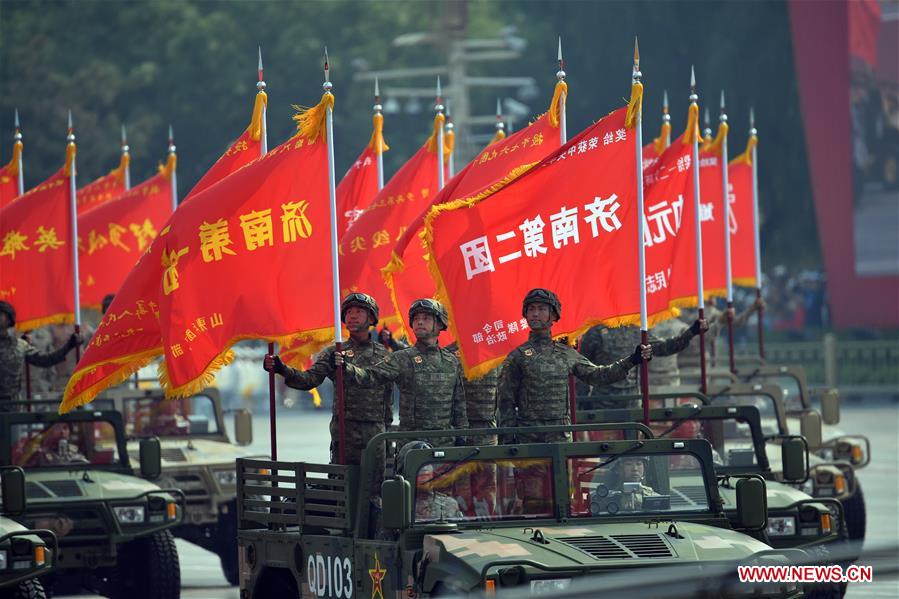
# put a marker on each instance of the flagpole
(17, 139)
(644, 327)
(727, 266)
(450, 130)
(563, 116)
(707, 136)
(335, 270)
(441, 179)
(126, 156)
(753, 134)
(174, 179)
(666, 119)
(697, 219)
(73, 211)
(379, 151)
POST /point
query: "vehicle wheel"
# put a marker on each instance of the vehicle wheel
(148, 569)
(227, 544)
(29, 589)
(854, 511)
(230, 566)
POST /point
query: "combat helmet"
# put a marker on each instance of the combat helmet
(401, 455)
(7, 308)
(432, 307)
(359, 300)
(543, 296)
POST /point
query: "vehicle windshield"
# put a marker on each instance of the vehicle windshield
(37, 444)
(765, 404)
(478, 490)
(170, 417)
(731, 438)
(790, 388)
(606, 485)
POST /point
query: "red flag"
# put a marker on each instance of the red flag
(36, 255)
(712, 216)
(356, 190)
(129, 336)
(407, 276)
(116, 234)
(104, 189)
(743, 225)
(9, 176)
(558, 226)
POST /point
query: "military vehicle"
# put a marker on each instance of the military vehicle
(24, 554)
(113, 527)
(197, 457)
(541, 514)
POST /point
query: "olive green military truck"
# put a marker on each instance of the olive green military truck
(539, 516)
(113, 527)
(24, 554)
(197, 457)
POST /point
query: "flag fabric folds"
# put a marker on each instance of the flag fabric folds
(116, 234)
(102, 190)
(712, 215)
(9, 176)
(36, 255)
(743, 225)
(357, 189)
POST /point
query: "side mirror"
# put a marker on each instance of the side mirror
(396, 499)
(792, 453)
(752, 504)
(150, 458)
(13, 490)
(810, 428)
(830, 407)
(243, 427)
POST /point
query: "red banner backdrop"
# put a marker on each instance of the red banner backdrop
(36, 255)
(356, 190)
(712, 216)
(102, 190)
(113, 236)
(742, 241)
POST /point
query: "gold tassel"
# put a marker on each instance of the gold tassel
(71, 150)
(127, 365)
(449, 139)
(713, 146)
(746, 156)
(169, 167)
(197, 384)
(499, 136)
(256, 122)
(311, 121)
(119, 171)
(378, 143)
(634, 106)
(13, 167)
(692, 131)
(660, 144)
(439, 119)
(555, 105)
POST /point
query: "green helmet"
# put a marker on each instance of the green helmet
(404, 451)
(359, 300)
(542, 296)
(7, 308)
(432, 307)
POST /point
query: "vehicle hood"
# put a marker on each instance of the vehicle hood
(780, 495)
(83, 485)
(194, 452)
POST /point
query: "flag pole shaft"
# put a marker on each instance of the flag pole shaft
(441, 157)
(73, 213)
(727, 254)
(758, 245)
(272, 396)
(380, 163)
(641, 255)
(697, 220)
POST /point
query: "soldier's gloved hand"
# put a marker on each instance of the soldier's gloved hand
(274, 364)
(643, 353)
(337, 359)
(701, 324)
(74, 341)
(730, 314)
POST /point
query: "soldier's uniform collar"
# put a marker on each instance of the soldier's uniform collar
(540, 339)
(360, 344)
(424, 347)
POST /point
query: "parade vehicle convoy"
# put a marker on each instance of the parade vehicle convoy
(557, 511)
(113, 527)
(25, 554)
(197, 457)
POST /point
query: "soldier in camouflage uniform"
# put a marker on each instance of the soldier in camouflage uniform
(15, 352)
(533, 386)
(429, 377)
(430, 502)
(368, 410)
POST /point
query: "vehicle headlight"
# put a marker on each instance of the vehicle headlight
(226, 477)
(3, 559)
(781, 526)
(130, 514)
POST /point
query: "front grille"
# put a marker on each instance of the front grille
(193, 487)
(173, 454)
(621, 546)
(87, 525)
(63, 488)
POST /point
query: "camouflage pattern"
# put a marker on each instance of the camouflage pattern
(533, 385)
(430, 383)
(436, 506)
(358, 433)
(14, 353)
(689, 358)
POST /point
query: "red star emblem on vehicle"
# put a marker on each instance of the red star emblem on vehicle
(377, 577)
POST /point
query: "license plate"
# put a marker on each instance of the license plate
(549, 585)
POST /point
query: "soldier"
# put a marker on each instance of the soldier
(14, 352)
(633, 470)
(429, 377)
(430, 503)
(533, 386)
(368, 410)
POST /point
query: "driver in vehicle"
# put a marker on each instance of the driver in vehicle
(60, 446)
(633, 479)
(430, 503)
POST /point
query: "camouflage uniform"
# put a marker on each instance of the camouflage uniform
(430, 381)
(368, 410)
(533, 386)
(14, 353)
(436, 506)
(689, 358)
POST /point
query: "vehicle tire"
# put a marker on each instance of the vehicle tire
(855, 514)
(230, 566)
(148, 569)
(227, 544)
(29, 589)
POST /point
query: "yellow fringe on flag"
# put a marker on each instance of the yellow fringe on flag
(35, 323)
(378, 144)
(169, 167)
(71, 151)
(316, 398)
(714, 146)
(128, 365)
(13, 167)
(449, 139)
(555, 105)
(745, 282)
(634, 106)
(119, 171)
(256, 122)
(197, 384)
(746, 156)
(311, 121)
(499, 136)
(439, 120)
(660, 144)
(692, 131)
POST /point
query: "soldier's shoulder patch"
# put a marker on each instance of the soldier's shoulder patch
(417, 359)
(349, 353)
(528, 351)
